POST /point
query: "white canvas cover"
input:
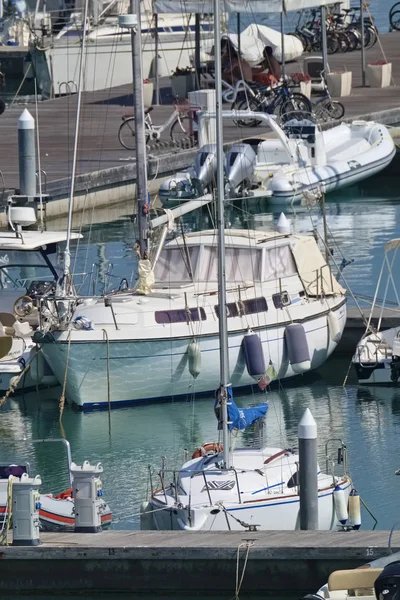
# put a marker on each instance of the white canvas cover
(313, 270)
(253, 41)
(255, 6)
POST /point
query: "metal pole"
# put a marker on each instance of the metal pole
(197, 50)
(238, 31)
(140, 138)
(223, 325)
(324, 40)
(283, 64)
(307, 434)
(363, 78)
(157, 72)
(67, 252)
(323, 207)
(27, 154)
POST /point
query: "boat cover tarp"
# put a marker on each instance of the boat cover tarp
(239, 418)
(235, 6)
(254, 39)
(315, 274)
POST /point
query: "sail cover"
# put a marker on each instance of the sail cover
(235, 6)
(239, 418)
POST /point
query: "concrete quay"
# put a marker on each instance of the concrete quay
(181, 562)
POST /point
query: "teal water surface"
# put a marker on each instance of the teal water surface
(133, 439)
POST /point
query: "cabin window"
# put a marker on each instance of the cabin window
(181, 315)
(278, 263)
(241, 264)
(255, 305)
(280, 300)
(244, 307)
(231, 310)
(173, 265)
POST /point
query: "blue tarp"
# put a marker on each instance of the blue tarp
(239, 418)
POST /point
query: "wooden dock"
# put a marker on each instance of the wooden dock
(179, 562)
(99, 147)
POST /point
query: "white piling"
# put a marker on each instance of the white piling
(27, 154)
(307, 434)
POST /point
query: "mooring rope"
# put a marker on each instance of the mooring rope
(248, 544)
(62, 397)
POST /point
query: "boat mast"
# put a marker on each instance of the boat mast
(140, 139)
(67, 251)
(223, 323)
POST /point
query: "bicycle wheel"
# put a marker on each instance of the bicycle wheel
(126, 133)
(248, 104)
(395, 20)
(343, 41)
(297, 104)
(334, 108)
(332, 44)
(181, 132)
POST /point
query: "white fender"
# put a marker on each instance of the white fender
(194, 359)
(339, 498)
(355, 509)
(334, 328)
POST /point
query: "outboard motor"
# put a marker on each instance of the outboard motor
(205, 164)
(387, 585)
(240, 163)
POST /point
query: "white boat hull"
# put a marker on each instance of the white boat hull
(271, 514)
(131, 361)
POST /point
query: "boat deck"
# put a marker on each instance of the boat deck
(179, 561)
(99, 147)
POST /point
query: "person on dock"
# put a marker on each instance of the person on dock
(268, 70)
(234, 67)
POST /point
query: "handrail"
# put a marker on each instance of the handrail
(62, 440)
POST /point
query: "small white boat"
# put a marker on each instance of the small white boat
(377, 356)
(260, 490)
(28, 269)
(299, 159)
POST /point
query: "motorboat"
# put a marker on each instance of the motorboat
(375, 580)
(28, 271)
(377, 356)
(297, 160)
(280, 290)
(56, 512)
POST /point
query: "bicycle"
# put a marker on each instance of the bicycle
(266, 99)
(325, 108)
(179, 121)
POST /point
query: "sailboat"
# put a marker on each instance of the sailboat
(377, 356)
(222, 488)
(286, 314)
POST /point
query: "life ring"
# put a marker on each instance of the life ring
(211, 448)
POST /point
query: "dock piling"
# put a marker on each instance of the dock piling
(27, 154)
(308, 471)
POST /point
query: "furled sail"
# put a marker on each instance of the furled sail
(238, 418)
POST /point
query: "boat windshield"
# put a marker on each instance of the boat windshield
(18, 268)
(176, 266)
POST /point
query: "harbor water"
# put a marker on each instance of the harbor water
(131, 441)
